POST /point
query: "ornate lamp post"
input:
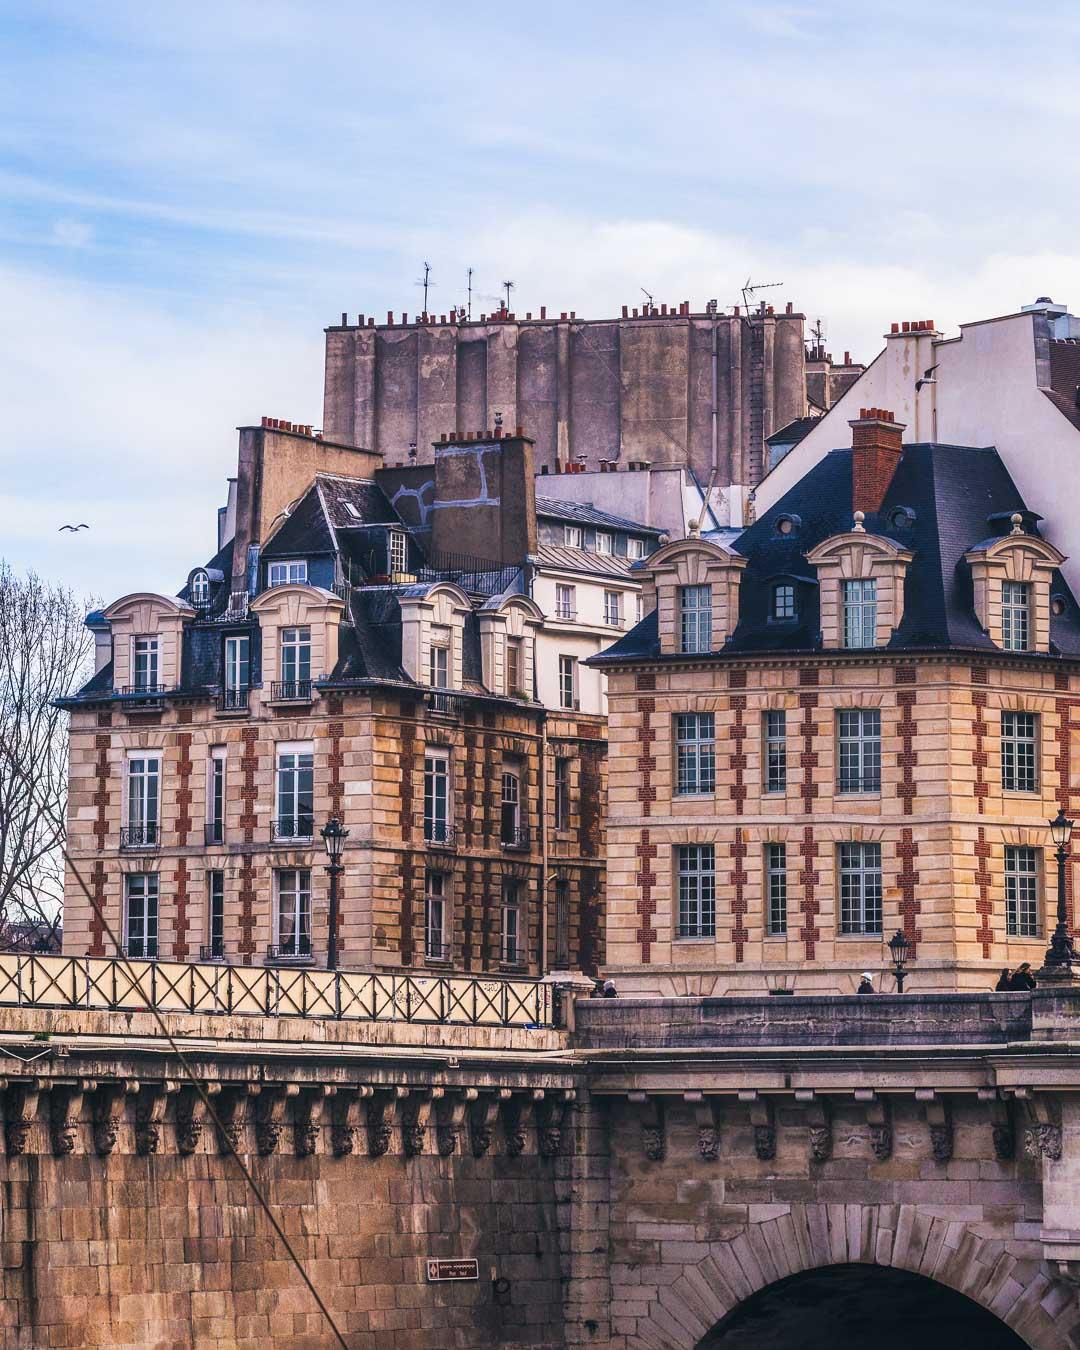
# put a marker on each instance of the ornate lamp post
(899, 947)
(1061, 955)
(334, 835)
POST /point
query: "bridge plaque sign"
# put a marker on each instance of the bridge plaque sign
(452, 1270)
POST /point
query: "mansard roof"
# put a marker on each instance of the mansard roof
(942, 501)
(582, 513)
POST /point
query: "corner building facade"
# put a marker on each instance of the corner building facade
(857, 717)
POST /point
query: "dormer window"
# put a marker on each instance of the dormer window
(635, 548)
(439, 659)
(145, 663)
(573, 536)
(783, 601)
(605, 543)
(860, 613)
(200, 589)
(398, 551)
(695, 619)
(291, 573)
(1016, 616)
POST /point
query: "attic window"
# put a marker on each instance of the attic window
(353, 511)
(1058, 605)
(902, 518)
(787, 524)
(200, 588)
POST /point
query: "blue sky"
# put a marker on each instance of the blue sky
(190, 192)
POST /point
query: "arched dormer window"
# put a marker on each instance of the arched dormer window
(508, 630)
(433, 634)
(1011, 577)
(861, 580)
(696, 587)
(200, 588)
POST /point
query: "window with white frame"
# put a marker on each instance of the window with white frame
(143, 800)
(1021, 891)
(291, 572)
(695, 618)
(860, 887)
(200, 589)
(215, 794)
(1019, 753)
(399, 552)
(439, 658)
(859, 747)
(636, 549)
(237, 670)
(605, 543)
(295, 662)
(1016, 616)
(696, 865)
(562, 792)
(776, 889)
(783, 601)
(437, 828)
(141, 915)
(775, 731)
(565, 601)
(145, 663)
(573, 536)
(295, 792)
(860, 613)
(510, 831)
(515, 666)
(613, 611)
(511, 948)
(435, 943)
(215, 916)
(695, 753)
(292, 917)
(568, 695)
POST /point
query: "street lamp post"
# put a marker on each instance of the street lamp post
(334, 835)
(1061, 955)
(899, 946)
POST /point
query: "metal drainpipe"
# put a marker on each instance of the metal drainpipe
(715, 388)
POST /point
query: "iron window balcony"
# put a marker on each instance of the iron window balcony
(440, 701)
(212, 951)
(438, 833)
(290, 691)
(566, 615)
(234, 700)
(140, 950)
(295, 953)
(140, 836)
(292, 830)
(516, 836)
(148, 692)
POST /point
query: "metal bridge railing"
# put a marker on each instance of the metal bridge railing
(107, 984)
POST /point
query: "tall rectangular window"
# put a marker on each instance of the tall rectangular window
(860, 613)
(635, 548)
(435, 944)
(565, 602)
(860, 888)
(1021, 891)
(515, 676)
(562, 792)
(1016, 616)
(775, 729)
(510, 831)
(695, 618)
(215, 795)
(568, 696)
(776, 888)
(613, 612)
(293, 572)
(439, 659)
(859, 747)
(695, 753)
(399, 552)
(437, 829)
(1019, 752)
(295, 794)
(141, 914)
(293, 916)
(783, 601)
(573, 536)
(511, 949)
(145, 663)
(215, 905)
(697, 890)
(143, 801)
(295, 662)
(237, 670)
(605, 543)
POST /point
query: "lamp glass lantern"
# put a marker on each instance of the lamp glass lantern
(334, 835)
(899, 947)
(1061, 828)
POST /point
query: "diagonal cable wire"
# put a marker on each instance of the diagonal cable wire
(199, 1087)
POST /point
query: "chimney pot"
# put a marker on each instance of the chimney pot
(543, 311)
(573, 315)
(371, 322)
(344, 319)
(528, 315)
(359, 321)
(877, 446)
(905, 327)
(847, 358)
(389, 316)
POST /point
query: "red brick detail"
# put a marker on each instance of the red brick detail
(979, 675)
(809, 677)
(183, 792)
(876, 447)
(470, 794)
(408, 908)
(904, 675)
(738, 757)
(246, 895)
(185, 716)
(104, 719)
(467, 919)
(979, 757)
(1066, 794)
(984, 905)
(249, 763)
(739, 932)
(737, 679)
(589, 731)
(907, 851)
(180, 921)
(102, 796)
(809, 877)
(591, 799)
(808, 759)
(335, 705)
(646, 906)
(97, 918)
(645, 682)
(646, 760)
(486, 918)
(909, 756)
(1061, 681)
(335, 763)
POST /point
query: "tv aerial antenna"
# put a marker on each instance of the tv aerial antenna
(425, 281)
(507, 286)
(647, 296)
(751, 289)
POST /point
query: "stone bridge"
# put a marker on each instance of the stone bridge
(668, 1174)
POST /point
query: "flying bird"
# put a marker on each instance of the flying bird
(73, 528)
(927, 378)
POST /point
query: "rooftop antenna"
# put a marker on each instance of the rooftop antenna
(817, 332)
(647, 296)
(470, 295)
(508, 286)
(749, 290)
(426, 282)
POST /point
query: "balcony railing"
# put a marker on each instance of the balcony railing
(140, 836)
(141, 949)
(290, 691)
(515, 836)
(271, 991)
(149, 692)
(440, 701)
(213, 951)
(214, 831)
(438, 833)
(289, 953)
(292, 830)
(566, 615)
(234, 700)
(475, 576)
(614, 621)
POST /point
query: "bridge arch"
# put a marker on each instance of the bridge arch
(1014, 1287)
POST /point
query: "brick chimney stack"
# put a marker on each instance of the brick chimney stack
(877, 444)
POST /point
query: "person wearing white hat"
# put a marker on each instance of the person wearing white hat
(866, 984)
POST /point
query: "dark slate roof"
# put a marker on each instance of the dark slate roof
(793, 433)
(580, 513)
(369, 503)
(305, 532)
(220, 562)
(1065, 378)
(370, 647)
(956, 496)
(581, 560)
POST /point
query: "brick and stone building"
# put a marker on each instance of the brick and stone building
(857, 716)
(394, 650)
